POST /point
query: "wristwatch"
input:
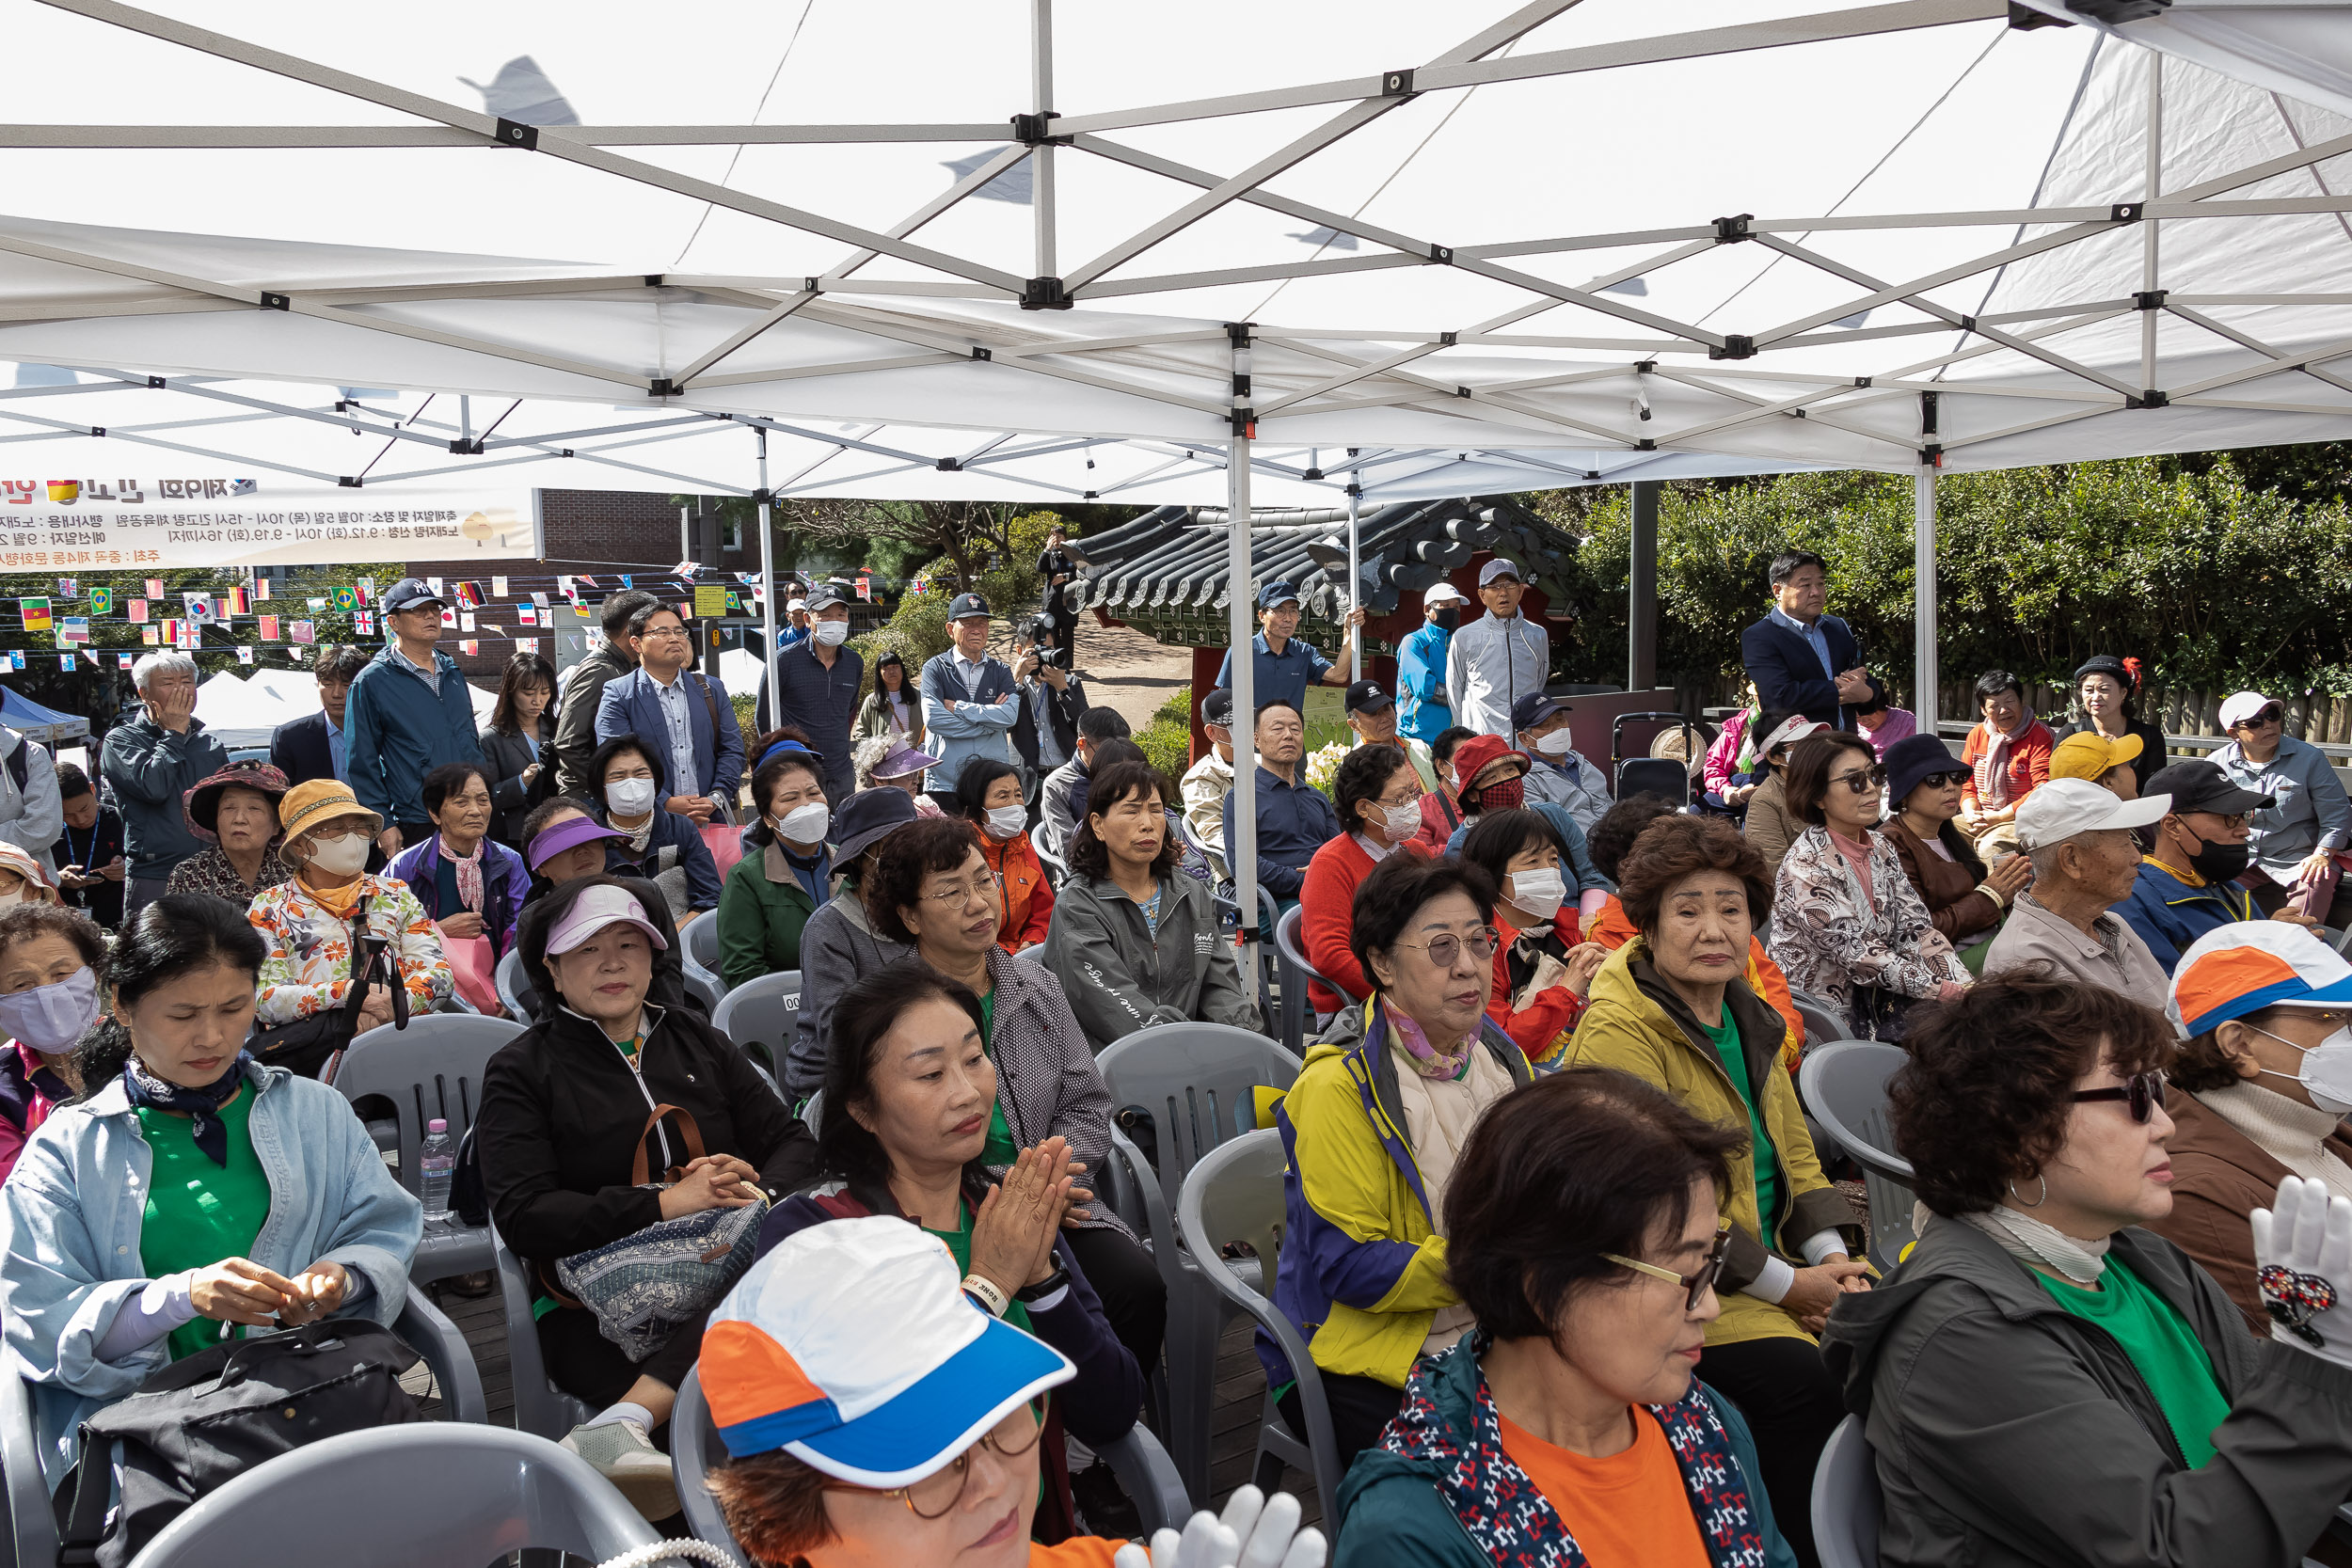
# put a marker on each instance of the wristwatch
(1043, 1288)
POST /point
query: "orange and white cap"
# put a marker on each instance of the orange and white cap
(853, 1348)
(2247, 965)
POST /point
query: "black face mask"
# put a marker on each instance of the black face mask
(1449, 618)
(2220, 863)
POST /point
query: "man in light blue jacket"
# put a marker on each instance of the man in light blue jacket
(1422, 709)
(970, 703)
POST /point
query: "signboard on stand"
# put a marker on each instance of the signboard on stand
(130, 524)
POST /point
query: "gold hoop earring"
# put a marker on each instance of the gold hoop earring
(2037, 1202)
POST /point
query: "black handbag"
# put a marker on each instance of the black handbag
(202, 1421)
(306, 1046)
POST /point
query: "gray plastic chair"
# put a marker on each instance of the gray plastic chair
(1843, 1085)
(759, 1015)
(400, 1495)
(702, 940)
(812, 1112)
(32, 1523)
(1296, 972)
(431, 1068)
(1195, 1081)
(1056, 867)
(1235, 1194)
(1823, 1023)
(515, 986)
(540, 1406)
(1846, 1499)
(1145, 1472)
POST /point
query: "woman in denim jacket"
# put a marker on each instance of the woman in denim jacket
(194, 1193)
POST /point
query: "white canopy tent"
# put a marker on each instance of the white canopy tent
(1449, 257)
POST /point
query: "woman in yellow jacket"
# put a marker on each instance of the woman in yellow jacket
(1372, 1128)
(1673, 1006)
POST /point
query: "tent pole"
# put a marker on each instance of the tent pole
(1640, 668)
(1041, 155)
(1355, 570)
(768, 577)
(1924, 679)
(1240, 598)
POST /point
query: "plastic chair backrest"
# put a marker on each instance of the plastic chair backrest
(433, 1492)
(515, 985)
(1654, 776)
(1294, 951)
(759, 1015)
(695, 1451)
(1195, 1079)
(540, 1407)
(702, 940)
(1821, 1023)
(1054, 864)
(1844, 1085)
(431, 1068)
(1846, 1499)
(813, 1112)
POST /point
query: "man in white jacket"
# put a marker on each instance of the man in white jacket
(1498, 659)
(31, 813)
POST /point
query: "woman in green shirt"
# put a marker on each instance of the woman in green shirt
(2044, 1379)
(786, 873)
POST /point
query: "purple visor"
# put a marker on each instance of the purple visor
(569, 833)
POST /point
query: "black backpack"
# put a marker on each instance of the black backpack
(202, 1421)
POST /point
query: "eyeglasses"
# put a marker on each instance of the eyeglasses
(663, 631)
(936, 1494)
(2266, 718)
(1863, 779)
(983, 886)
(1443, 950)
(1941, 781)
(1693, 1285)
(2143, 1092)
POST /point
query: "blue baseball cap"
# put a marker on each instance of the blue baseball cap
(1275, 592)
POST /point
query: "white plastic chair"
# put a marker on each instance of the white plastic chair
(1846, 1501)
(759, 1015)
(1054, 866)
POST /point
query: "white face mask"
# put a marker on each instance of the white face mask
(339, 857)
(805, 824)
(831, 633)
(1007, 821)
(1404, 821)
(51, 1018)
(1539, 892)
(2326, 1071)
(629, 797)
(1557, 744)
(11, 898)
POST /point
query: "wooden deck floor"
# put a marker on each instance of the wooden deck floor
(1233, 1433)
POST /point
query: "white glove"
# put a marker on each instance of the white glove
(1254, 1534)
(2303, 1263)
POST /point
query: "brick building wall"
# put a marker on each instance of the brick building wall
(595, 533)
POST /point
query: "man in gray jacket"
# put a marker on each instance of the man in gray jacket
(31, 813)
(838, 943)
(151, 762)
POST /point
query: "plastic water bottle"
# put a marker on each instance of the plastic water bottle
(436, 1163)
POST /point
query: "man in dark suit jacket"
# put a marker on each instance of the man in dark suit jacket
(312, 747)
(1800, 658)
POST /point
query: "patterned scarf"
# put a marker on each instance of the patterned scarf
(203, 1104)
(342, 902)
(1993, 768)
(1427, 1059)
(469, 872)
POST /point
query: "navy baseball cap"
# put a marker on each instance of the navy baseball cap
(1367, 697)
(407, 593)
(1533, 709)
(1275, 592)
(1217, 708)
(964, 605)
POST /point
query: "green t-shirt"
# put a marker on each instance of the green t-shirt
(2162, 1347)
(960, 1243)
(199, 1213)
(1726, 1037)
(1000, 1149)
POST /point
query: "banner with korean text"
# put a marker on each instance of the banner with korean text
(126, 523)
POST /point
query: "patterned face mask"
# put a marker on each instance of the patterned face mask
(1507, 796)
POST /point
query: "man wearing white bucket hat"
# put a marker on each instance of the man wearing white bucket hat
(878, 1415)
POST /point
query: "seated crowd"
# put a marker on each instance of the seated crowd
(1571, 1277)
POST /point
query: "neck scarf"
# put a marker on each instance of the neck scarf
(469, 872)
(2030, 1240)
(342, 902)
(210, 1134)
(1993, 768)
(1427, 1059)
(643, 835)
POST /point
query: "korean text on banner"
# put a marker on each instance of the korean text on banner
(209, 523)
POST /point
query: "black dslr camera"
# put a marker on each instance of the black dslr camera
(1041, 631)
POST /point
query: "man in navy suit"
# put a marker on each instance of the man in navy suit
(1800, 658)
(682, 711)
(312, 747)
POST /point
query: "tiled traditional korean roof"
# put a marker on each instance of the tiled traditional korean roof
(1167, 568)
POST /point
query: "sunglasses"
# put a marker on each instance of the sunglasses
(1863, 779)
(2263, 719)
(1693, 1285)
(1444, 949)
(2143, 1092)
(1941, 781)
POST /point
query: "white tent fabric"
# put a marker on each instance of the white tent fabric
(242, 710)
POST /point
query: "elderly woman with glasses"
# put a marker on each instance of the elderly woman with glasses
(1584, 1233)
(1374, 1128)
(2046, 1380)
(1851, 929)
(2297, 838)
(1672, 1007)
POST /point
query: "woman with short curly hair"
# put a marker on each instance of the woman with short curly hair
(2047, 1381)
(1671, 1007)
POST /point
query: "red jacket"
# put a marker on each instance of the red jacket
(1553, 1010)
(1025, 900)
(2028, 765)
(1327, 909)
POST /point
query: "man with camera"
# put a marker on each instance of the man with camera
(1052, 699)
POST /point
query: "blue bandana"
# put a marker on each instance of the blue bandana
(210, 1133)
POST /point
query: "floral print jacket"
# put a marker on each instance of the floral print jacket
(308, 967)
(1829, 939)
